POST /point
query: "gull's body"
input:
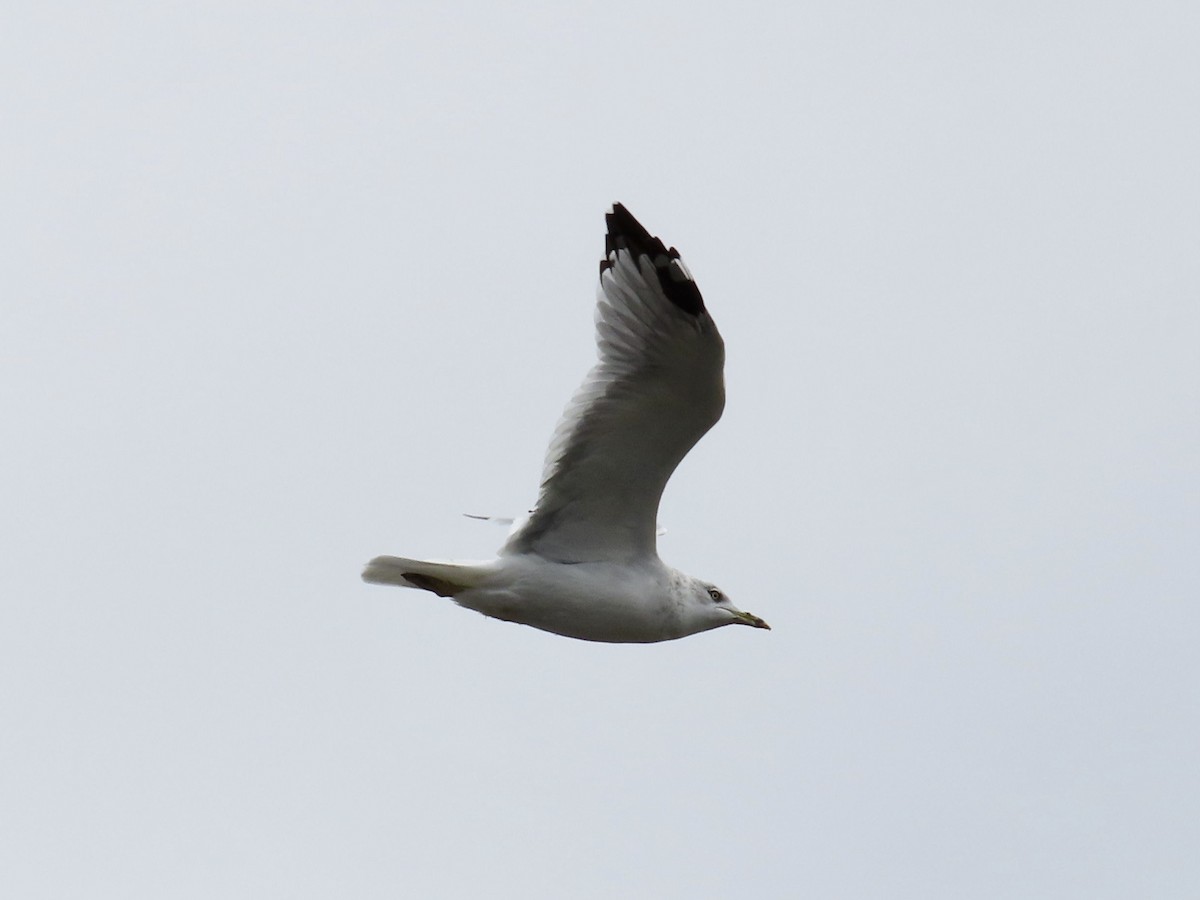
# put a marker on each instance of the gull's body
(585, 563)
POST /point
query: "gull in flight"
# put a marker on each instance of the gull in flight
(584, 563)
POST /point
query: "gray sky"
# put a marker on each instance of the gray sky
(286, 287)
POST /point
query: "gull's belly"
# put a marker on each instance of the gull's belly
(599, 601)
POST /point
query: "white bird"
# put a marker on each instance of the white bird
(584, 564)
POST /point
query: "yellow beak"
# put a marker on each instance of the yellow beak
(745, 618)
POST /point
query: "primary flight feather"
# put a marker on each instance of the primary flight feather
(584, 564)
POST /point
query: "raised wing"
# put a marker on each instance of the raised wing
(656, 389)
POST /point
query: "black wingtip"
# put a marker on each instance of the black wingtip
(627, 233)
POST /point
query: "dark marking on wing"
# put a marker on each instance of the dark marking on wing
(626, 233)
(439, 586)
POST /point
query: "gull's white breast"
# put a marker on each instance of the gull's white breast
(592, 601)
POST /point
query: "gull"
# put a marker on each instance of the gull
(584, 563)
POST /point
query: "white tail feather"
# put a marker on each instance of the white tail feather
(443, 578)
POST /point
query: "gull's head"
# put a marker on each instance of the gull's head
(708, 607)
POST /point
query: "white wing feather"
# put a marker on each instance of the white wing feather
(657, 388)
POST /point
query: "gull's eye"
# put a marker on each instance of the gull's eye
(715, 594)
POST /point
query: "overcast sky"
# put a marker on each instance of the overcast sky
(286, 286)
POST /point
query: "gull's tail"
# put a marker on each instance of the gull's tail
(443, 578)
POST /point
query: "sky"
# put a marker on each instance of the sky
(287, 286)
